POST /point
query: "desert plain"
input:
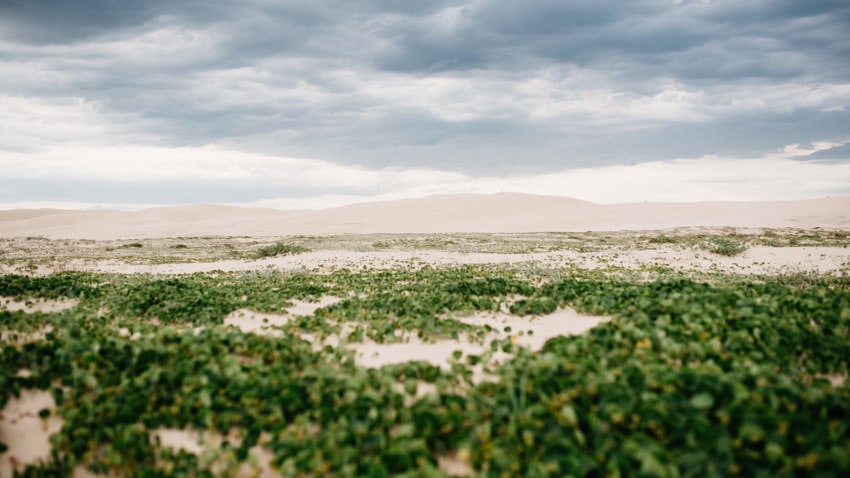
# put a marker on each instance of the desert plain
(459, 335)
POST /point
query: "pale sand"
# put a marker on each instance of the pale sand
(24, 432)
(209, 444)
(508, 212)
(530, 332)
(40, 305)
(755, 260)
(255, 322)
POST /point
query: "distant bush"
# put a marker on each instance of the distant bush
(534, 306)
(279, 249)
(725, 246)
(131, 245)
(662, 240)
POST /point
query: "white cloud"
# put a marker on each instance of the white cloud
(323, 184)
(543, 95)
(207, 163)
(703, 179)
(757, 97)
(32, 123)
(796, 150)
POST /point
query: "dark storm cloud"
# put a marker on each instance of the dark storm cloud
(516, 85)
(61, 21)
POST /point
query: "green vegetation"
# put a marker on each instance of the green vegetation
(725, 246)
(279, 249)
(690, 378)
(662, 240)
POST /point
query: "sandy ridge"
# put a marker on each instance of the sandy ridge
(506, 212)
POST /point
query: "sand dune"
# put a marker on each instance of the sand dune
(506, 212)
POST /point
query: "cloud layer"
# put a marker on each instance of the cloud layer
(245, 101)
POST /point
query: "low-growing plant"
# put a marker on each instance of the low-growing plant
(663, 240)
(279, 249)
(725, 246)
(688, 378)
(534, 306)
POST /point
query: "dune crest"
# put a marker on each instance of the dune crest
(504, 212)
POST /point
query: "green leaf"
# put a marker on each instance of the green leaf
(702, 401)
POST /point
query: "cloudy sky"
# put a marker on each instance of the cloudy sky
(284, 103)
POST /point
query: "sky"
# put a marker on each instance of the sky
(297, 104)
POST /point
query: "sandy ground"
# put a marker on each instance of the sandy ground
(531, 332)
(755, 260)
(46, 306)
(507, 212)
(27, 433)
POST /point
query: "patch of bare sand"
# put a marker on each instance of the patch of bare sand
(835, 379)
(16, 337)
(208, 445)
(457, 463)
(255, 322)
(46, 306)
(531, 332)
(755, 260)
(25, 433)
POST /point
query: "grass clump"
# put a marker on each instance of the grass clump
(131, 245)
(725, 246)
(279, 249)
(663, 240)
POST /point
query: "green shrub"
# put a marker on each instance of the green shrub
(663, 240)
(534, 306)
(279, 249)
(725, 246)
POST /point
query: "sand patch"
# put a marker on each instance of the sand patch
(125, 332)
(46, 306)
(534, 331)
(836, 380)
(755, 260)
(458, 463)
(531, 332)
(249, 321)
(207, 445)
(300, 307)
(25, 433)
(371, 354)
(18, 338)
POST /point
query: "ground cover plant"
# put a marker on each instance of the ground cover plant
(715, 375)
(725, 246)
(277, 249)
